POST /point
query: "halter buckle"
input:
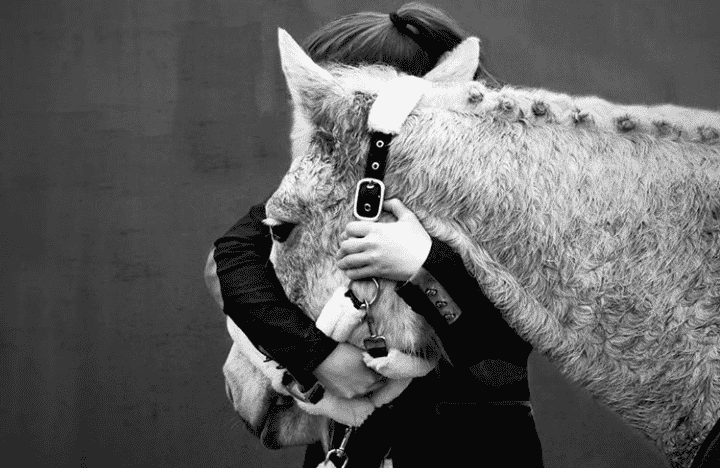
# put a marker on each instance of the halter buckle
(376, 346)
(369, 197)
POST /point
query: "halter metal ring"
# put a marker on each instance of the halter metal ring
(377, 292)
(375, 296)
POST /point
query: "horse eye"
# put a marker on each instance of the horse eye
(281, 232)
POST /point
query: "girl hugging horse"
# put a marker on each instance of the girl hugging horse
(413, 39)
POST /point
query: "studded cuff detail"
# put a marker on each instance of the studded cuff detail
(436, 294)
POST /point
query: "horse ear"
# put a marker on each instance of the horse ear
(306, 79)
(460, 65)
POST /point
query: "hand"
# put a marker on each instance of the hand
(394, 251)
(345, 374)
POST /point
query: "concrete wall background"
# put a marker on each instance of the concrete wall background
(133, 133)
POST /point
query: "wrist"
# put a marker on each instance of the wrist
(442, 260)
(319, 355)
(435, 294)
(421, 256)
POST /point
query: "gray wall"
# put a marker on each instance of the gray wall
(133, 133)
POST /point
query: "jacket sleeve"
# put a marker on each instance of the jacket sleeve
(254, 299)
(443, 292)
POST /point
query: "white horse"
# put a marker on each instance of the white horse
(594, 227)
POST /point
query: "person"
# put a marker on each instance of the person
(447, 412)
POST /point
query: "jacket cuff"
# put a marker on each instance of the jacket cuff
(435, 293)
(442, 260)
(303, 371)
(318, 353)
(418, 301)
(448, 269)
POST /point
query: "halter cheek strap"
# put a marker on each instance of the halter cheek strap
(387, 115)
(377, 157)
(390, 110)
(370, 190)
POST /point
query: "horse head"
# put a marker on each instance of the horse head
(330, 141)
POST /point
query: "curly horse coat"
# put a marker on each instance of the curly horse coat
(594, 227)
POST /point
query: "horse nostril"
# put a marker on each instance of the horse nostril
(228, 392)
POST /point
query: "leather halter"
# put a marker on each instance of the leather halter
(392, 106)
(370, 190)
(369, 198)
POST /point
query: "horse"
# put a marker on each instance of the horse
(594, 227)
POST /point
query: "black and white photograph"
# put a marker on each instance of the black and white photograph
(360, 234)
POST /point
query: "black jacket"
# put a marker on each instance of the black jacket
(432, 412)
(255, 301)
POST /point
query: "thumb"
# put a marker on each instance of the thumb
(396, 207)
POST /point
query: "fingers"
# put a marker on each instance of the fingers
(396, 207)
(346, 393)
(358, 228)
(351, 246)
(361, 391)
(379, 383)
(359, 266)
(354, 261)
(362, 273)
(373, 381)
(360, 388)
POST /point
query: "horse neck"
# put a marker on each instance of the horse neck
(525, 204)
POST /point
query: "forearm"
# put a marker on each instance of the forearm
(287, 336)
(471, 328)
(273, 323)
(456, 292)
(254, 299)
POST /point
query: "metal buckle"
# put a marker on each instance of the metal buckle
(366, 303)
(337, 456)
(375, 296)
(369, 197)
(375, 346)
